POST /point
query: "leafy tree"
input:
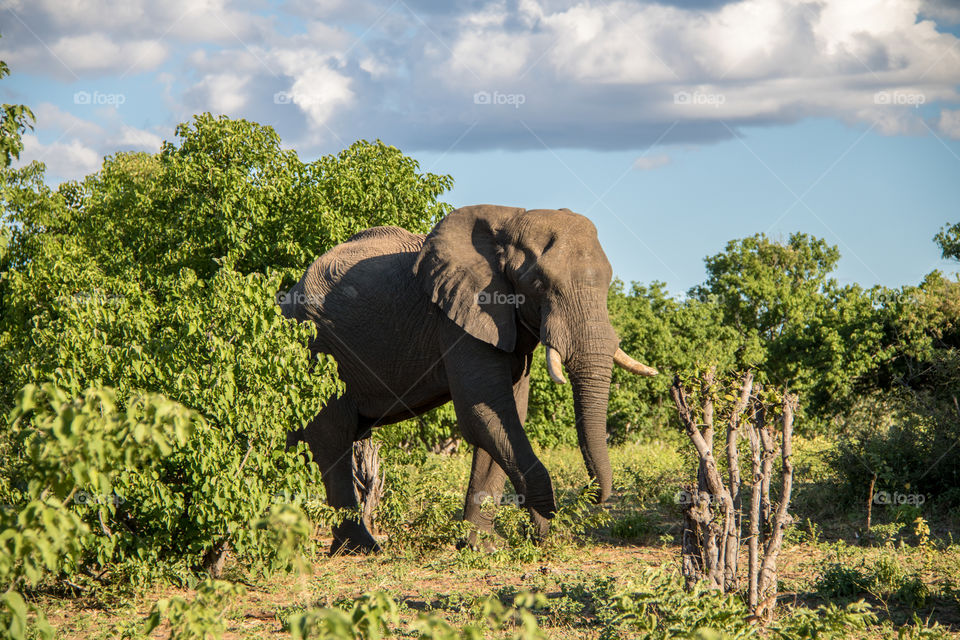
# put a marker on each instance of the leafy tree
(795, 324)
(673, 335)
(156, 274)
(764, 286)
(949, 241)
(226, 189)
(15, 119)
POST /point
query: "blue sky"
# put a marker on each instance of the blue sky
(675, 127)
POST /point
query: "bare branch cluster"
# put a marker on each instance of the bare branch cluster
(714, 509)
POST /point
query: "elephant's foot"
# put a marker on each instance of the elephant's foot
(353, 540)
(481, 540)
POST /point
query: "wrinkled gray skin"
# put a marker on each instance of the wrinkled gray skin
(415, 321)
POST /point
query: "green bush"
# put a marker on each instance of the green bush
(200, 619)
(66, 455)
(159, 273)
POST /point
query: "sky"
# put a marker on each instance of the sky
(675, 127)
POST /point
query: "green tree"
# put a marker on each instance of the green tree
(226, 189)
(795, 324)
(15, 119)
(158, 274)
(949, 241)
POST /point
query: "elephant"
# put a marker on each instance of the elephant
(415, 321)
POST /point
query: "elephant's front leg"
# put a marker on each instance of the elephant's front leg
(487, 478)
(490, 419)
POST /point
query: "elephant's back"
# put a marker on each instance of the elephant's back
(378, 250)
(372, 265)
(373, 317)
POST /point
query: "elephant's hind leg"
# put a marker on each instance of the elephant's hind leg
(330, 436)
(483, 495)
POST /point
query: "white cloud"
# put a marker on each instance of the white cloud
(319, 92)
(486, 55)
(138, 139)
(81, 144)
(592, 74)
(66, 160)
(52, 118)
(949, 123)
(97, 52)
(317, 89)
(221, 93)
(646, 163)
(945, 11)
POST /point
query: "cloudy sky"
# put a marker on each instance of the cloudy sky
(675, 126)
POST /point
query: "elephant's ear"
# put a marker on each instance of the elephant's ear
(460, 269)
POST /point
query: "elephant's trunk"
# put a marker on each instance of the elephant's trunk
(590, 377)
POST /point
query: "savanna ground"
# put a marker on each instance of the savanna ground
(596, 572)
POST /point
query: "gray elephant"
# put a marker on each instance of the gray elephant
(415, 321)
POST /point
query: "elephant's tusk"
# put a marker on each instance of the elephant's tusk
(631, 365)
(554, 367)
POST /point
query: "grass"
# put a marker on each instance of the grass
(594, 575)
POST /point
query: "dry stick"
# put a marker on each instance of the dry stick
(710, 486)
(732, 548)
(768, 577)
(873, 483)
(754, 531)
(713, 550)
(769, 442)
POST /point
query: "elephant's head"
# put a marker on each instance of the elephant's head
(492, 269)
